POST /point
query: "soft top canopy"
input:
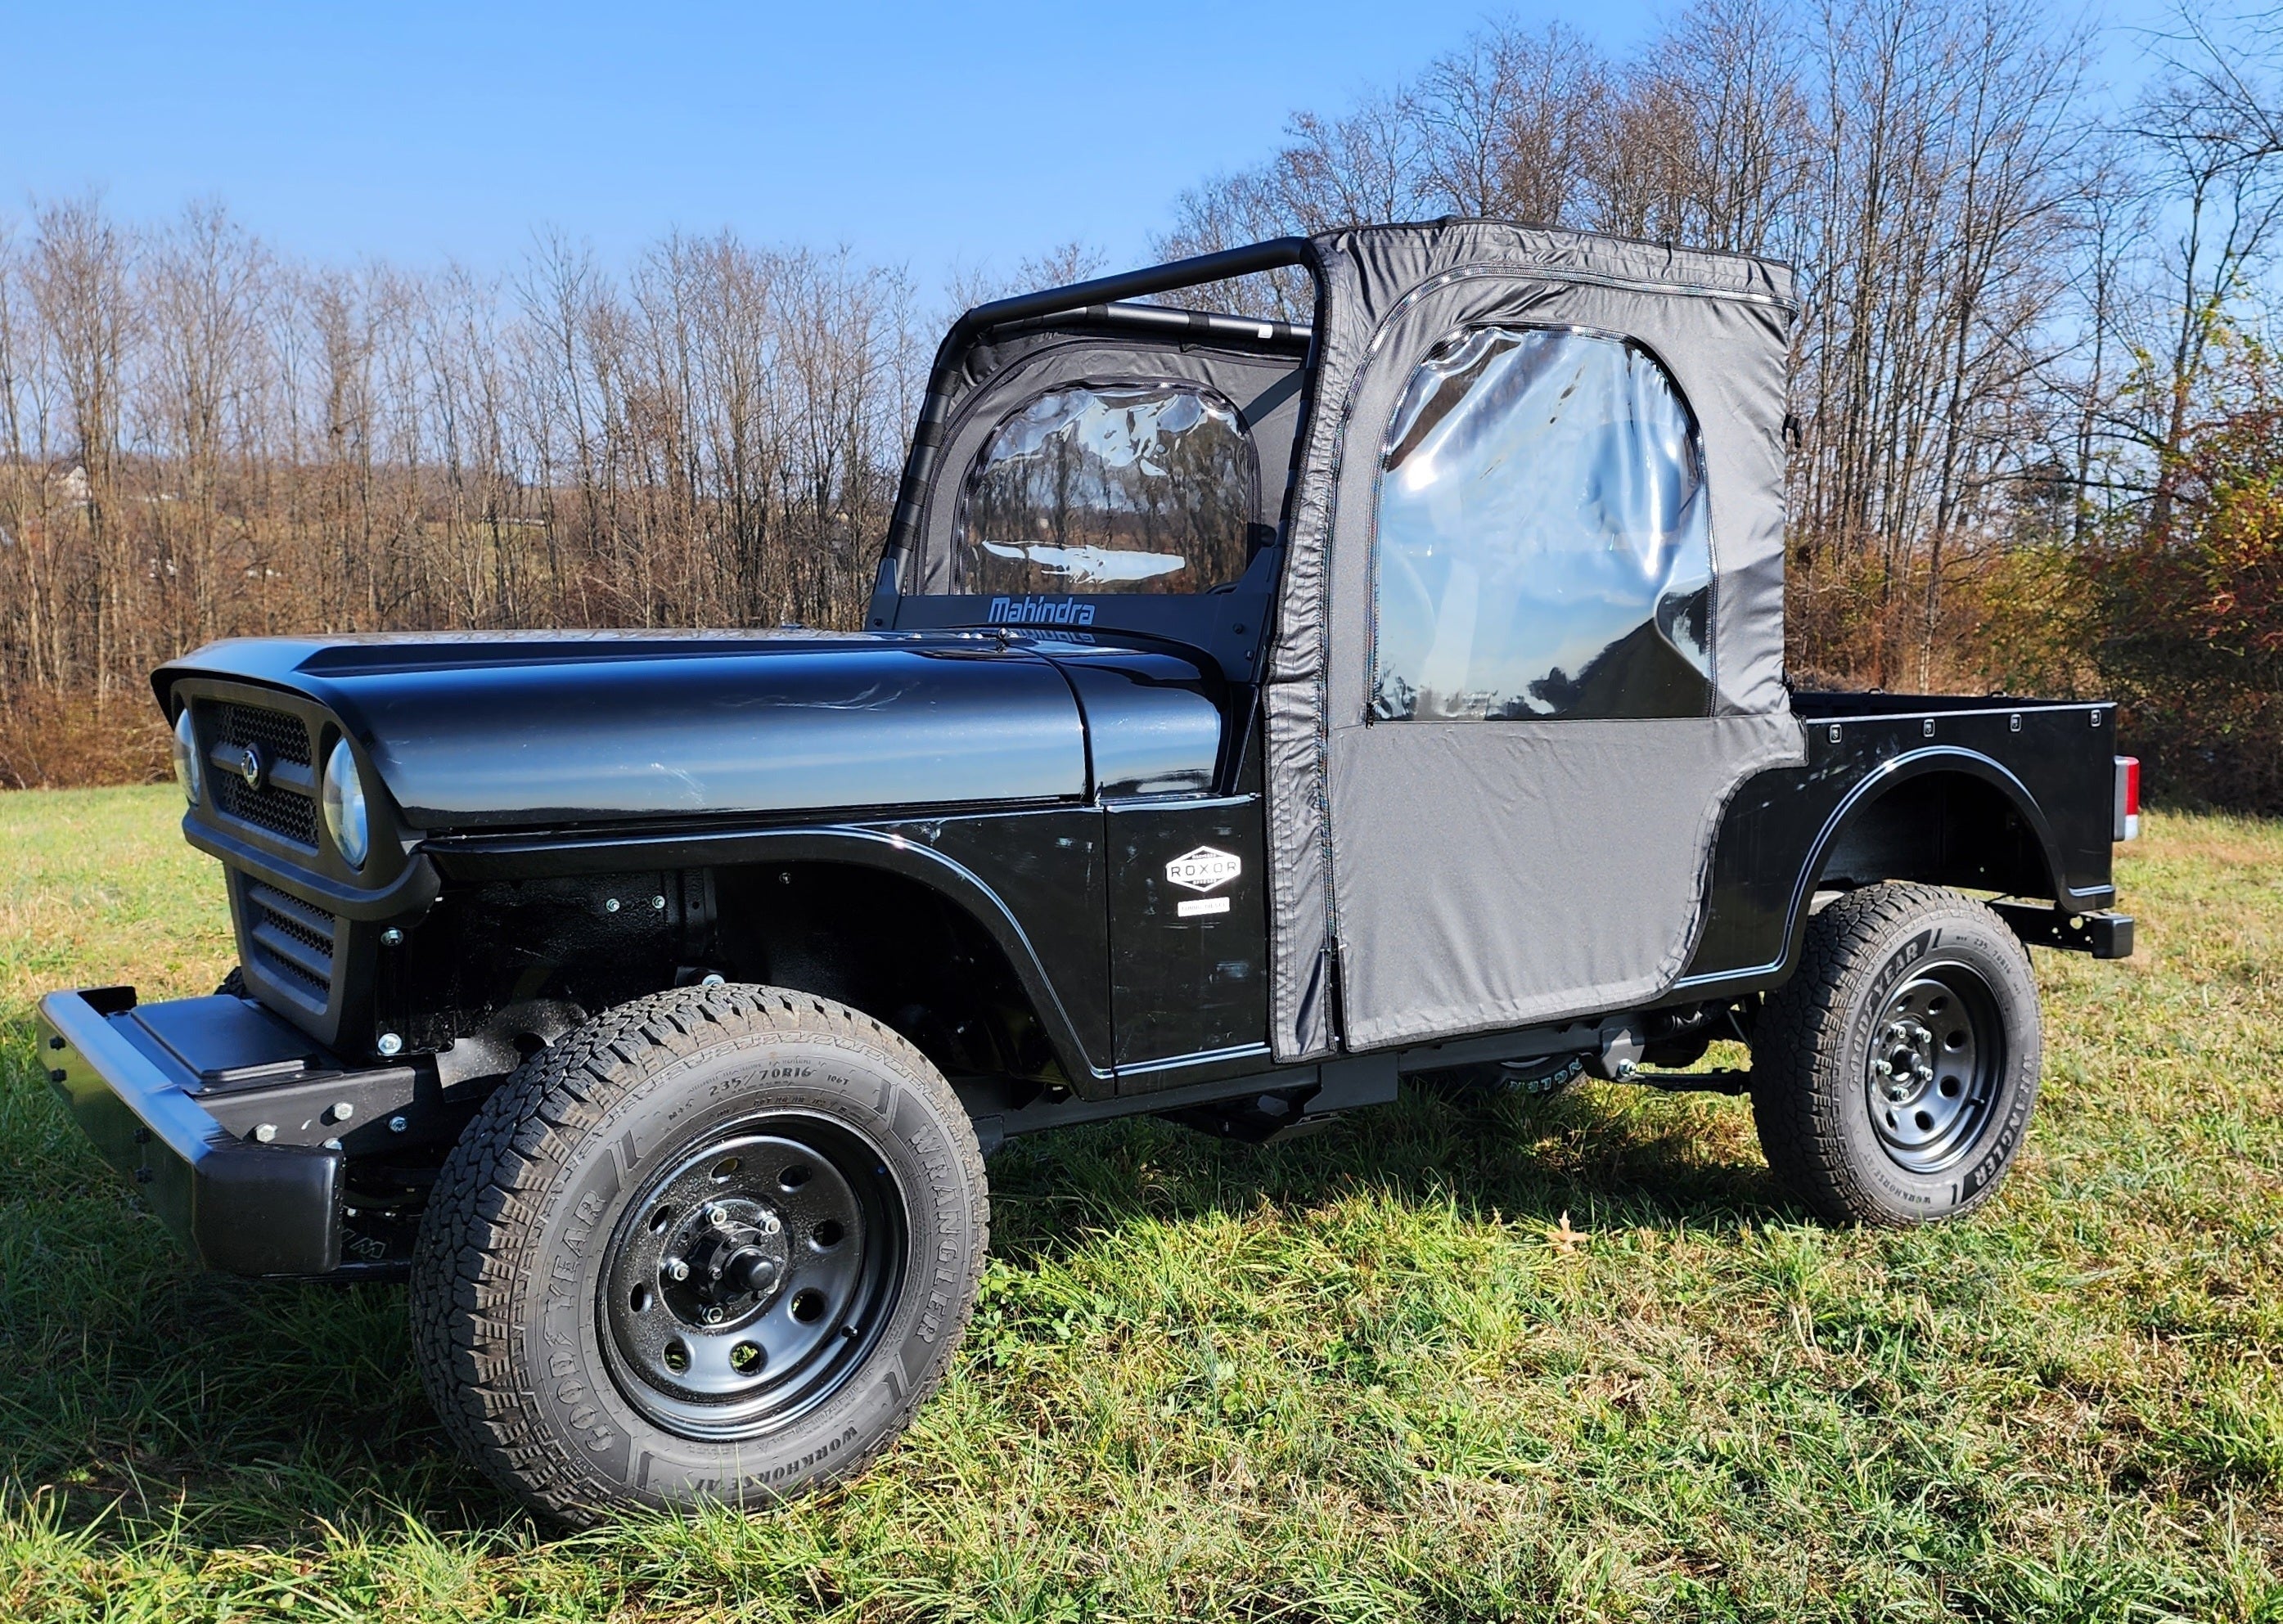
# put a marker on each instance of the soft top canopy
(1719, 323)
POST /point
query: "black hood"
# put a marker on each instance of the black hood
(520, 729)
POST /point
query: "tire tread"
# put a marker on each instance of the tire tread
(465, 1286)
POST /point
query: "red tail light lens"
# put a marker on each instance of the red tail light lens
(2128, 798)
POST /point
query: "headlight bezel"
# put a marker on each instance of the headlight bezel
(345, 806)
(190, 768)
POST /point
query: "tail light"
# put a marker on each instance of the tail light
(2128, 798)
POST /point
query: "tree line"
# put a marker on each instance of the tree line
(2030, 380)
(2032, 389)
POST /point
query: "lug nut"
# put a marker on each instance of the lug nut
(677, 1269)
(713, 1317)
(771, 1224)
(1882, 1067)
(718, 1216)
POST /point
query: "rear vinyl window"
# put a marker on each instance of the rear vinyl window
(1125, 488)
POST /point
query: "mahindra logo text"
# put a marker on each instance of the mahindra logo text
(1040, 611)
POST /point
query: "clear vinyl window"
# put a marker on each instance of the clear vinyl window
(1544, 547)
(1101, 488)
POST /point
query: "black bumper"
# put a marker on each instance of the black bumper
(2103, 934)
(240, 1207)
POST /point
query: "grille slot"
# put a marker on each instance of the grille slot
(294, 939)
(282, 810)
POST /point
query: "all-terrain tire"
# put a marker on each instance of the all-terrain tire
(1932, 986)
(526, 1338)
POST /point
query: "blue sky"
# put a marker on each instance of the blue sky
(929, 136)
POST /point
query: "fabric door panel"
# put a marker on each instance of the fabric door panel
(1490, 876)
(1491, 872)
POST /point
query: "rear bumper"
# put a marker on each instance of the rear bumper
(2105, 935)
(240, 1207)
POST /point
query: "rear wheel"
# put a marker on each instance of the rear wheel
(717, 1244)
(1894, 1075)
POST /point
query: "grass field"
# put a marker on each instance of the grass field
(1577, 1359)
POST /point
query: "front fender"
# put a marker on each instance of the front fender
(1021, 910)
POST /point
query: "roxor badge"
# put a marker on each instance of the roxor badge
(1207, 868)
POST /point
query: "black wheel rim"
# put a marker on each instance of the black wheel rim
(750, 1276)
(1936, 1066)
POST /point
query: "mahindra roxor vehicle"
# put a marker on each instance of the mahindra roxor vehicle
(1249, 715)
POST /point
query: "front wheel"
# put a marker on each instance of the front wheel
(1893, 1075)
(718, 1243)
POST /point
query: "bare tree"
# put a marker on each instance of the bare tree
(1508, 126)
(1936, 237)
(2212, 128)
(1709, 140)
(206, 293)
(79, 283)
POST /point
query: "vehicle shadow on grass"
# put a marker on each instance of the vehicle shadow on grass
(146, 1403)
(1601, 1155)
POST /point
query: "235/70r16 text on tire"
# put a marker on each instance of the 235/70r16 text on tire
(718, 1243)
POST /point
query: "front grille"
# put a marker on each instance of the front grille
(292, 939)
(282, 737)
(282, 740)
(281, 812)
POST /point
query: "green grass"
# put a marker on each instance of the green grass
(1577, 1359)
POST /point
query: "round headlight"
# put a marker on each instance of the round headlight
(345, 820)
(188, 773)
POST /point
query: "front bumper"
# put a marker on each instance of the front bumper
(239, 1205)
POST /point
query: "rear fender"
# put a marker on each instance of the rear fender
(1860, 806)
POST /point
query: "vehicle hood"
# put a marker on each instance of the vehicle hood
(521, 729)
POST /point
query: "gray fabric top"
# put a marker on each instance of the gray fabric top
(1441, 876)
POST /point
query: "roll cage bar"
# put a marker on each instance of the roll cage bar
(1104, 299)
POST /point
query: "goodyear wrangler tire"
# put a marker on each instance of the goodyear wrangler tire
(717, 1244)
(1894, 1075)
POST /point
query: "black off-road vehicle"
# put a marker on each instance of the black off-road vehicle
(1250, 715)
